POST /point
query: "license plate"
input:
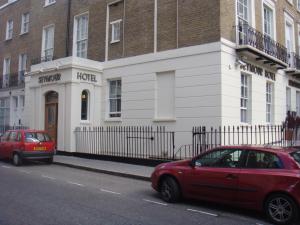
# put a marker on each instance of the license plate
(39, 148)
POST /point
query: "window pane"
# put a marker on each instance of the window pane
(263, 160)
(220, 158)
(84, 105)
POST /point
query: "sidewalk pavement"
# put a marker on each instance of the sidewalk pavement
(107, 167)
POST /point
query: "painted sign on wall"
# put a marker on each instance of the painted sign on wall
(50, 78)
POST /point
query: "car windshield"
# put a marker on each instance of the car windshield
(296, 156)
(36, 137)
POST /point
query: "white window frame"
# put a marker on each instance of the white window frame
(110, 114)
(22, 67)
(9, 29)
(25, 23)
(5, 108)
(288, 20)
(271, 5)
(269, 102)
(6, 71)
(298, 38)
(49, 2)
(251, 12)
(245, 102)
(43, 53)
(113, 27)
(87, 106)
(77, 41)
(288, 99)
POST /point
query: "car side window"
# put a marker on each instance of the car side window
(5, 136)
(263, 160)
(224, 158)
(13, 136)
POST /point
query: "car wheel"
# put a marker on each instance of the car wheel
(281, 209)
(49, 160)
(169, 190)
(17, 160)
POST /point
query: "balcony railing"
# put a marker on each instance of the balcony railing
(42, 59)
(249, 36)
(12, 80)
(294, 60)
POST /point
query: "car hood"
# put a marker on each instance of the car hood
(175, 163)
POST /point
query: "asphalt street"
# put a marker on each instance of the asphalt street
(39, 194)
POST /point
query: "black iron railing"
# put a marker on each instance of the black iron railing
(12, 80)
(247, 35)
(294, 60)
(42, 59)
(128, 142)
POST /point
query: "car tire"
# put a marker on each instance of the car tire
(169, 190)
(49, 160)
(17, 160)
(281, 209)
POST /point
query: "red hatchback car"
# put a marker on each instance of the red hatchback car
(26, 144)
(259, 178)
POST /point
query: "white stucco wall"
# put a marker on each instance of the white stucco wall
(207, 91)
(197, 89)
(69, 89)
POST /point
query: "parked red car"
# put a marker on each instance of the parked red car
(26, 144)
(259, 178)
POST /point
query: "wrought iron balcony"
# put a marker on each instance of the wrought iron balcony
(13, 80)
(261, 46)
(42, 59)
(294, 61)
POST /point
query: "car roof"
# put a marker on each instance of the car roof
(27, 130)
(266, 148)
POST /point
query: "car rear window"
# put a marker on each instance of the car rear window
(296, 156)
(37, 136)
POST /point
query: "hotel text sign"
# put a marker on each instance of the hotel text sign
(50, 78)
(86, 77)
(259, 71)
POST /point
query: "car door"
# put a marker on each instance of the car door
(11, 143)
(262, 172)
(4, 145)
(215, 176)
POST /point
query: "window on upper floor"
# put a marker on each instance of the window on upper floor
(49, 2)
(81, 35)
(48, 43)
(22, 67)
(298, 5)
(268, 21)
(115, 31)
(244, 11)
(25, 23)
(6, 72)
(9, 29)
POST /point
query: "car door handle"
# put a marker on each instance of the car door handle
(231, 176)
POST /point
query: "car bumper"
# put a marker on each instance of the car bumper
(36, 155)
(154, 181)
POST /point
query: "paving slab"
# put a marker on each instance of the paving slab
(109, 167)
